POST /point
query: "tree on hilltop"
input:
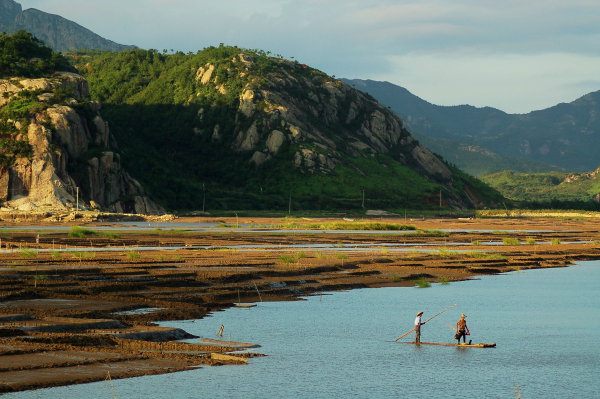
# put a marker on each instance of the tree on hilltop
(22, 54)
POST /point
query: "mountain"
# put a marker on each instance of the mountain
(237, 129)
(565, 136)
(56, 31)
(56, 150)
(550, 188)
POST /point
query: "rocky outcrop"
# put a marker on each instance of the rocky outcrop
(582, 176)
(71, 163)
(323, 118)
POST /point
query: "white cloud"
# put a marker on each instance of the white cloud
(514, 83)
(537, 48)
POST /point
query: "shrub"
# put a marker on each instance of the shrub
(485, 255)
(447, 253)
(28, 253)
(55, 254)
(80, 232)
(287, 259)
(422, 283)
(132, 255)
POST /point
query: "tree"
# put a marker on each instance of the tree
(22, 54)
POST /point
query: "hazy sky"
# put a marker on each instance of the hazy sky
(514, 55)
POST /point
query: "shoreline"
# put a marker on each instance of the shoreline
(64, 314)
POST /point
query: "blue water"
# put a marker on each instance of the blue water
(545, 322)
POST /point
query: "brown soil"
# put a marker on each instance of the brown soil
(58, 320)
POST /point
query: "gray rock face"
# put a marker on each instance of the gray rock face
(71, 162)
(58, 32)
(8, 12)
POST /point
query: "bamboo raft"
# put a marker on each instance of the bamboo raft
(482, 345)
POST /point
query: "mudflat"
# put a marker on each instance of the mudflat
(80, 305)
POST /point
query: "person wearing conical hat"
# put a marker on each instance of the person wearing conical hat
(418, 325)
(461, 329)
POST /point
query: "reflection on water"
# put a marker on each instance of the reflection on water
(545, 323)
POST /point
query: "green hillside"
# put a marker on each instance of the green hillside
(23, 55)
(581, 190)
(229, 128)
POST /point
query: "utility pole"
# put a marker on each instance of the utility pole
(77, 199)
(363, 198)
(203, 197)
(440, 198)
(290, 204)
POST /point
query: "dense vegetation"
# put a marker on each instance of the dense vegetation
(165, 122)
(549, 190)
(23, 55)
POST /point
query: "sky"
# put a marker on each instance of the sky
(514, 55)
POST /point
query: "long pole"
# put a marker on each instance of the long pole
(435, 315)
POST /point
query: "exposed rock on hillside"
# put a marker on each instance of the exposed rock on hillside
(65, 155)
(58, 32)
(243, 130)
(322, 119)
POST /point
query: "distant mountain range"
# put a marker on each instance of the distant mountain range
(56, 31)
(487, 140)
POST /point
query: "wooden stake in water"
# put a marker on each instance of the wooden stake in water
(114, 392)
(259, 297)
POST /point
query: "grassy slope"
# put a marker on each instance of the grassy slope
(152, 102)
(543, 187)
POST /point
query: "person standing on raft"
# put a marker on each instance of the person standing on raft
(418, 325)
(461, 329)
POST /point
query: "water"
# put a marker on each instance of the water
(241, 228)
(356, 247)
(545, 322)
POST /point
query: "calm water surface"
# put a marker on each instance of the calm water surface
(546, 324)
